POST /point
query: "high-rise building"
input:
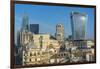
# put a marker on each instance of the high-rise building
(34, 28)
(78, 24)
(25, 34)
(59, 32)
(25, 24)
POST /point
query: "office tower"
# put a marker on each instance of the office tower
(25, 34)
(34, 28)
(59, 32)
(25, 24)
(78, 25)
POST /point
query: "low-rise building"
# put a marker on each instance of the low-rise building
(39, 50)
(41, 40)
(25, 38)
(90, 43)
(33, 55)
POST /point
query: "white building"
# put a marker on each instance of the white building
(60, 32)
(41, 40)
(25, 37)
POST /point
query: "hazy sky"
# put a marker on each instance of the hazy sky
(48, 16)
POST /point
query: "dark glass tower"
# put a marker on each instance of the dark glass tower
(34, 28)
(78, 25)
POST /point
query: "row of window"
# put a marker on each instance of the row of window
(34, 53)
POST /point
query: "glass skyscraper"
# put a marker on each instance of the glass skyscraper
(34, 28)
(25, 24)
(78, 25)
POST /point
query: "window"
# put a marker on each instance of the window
(58, 34)
(59, 25)
(34, 54)
(30, 54)
(30, 60)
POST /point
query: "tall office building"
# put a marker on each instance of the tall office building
(78, 24)
(59, 32)
(34, 28)
(25, 34)
(25, 24)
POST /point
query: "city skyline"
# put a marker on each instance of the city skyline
(48, 16)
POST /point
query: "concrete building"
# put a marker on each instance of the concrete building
(55, 43)
(59, 32)
(33, 55)
(25, 38)
(90, 43)
(42, 41)
(39, 50)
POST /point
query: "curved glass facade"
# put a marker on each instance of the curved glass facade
(78, 24)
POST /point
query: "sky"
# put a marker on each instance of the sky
(49, 16)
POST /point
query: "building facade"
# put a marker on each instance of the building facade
(90, 43)
(25, 38)
(33, 55)
(39, 50)
(34, 28)
(78, 24)
(25, 23)
(41, 40)
(59, 32)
